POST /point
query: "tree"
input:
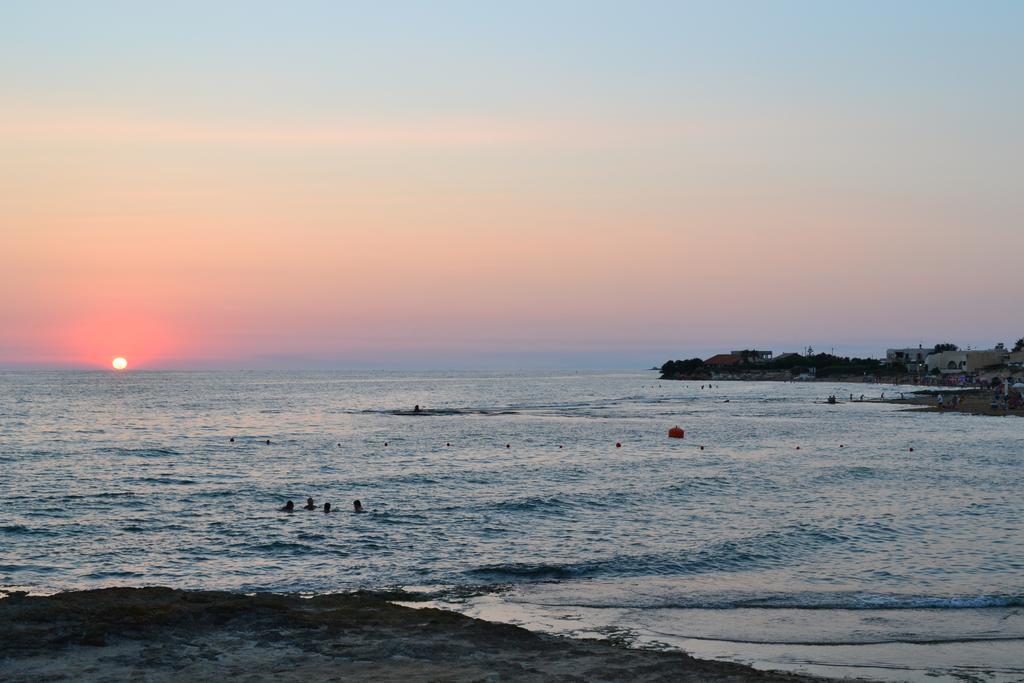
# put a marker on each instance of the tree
(939, 348)
(1019, 346)
(673, 368)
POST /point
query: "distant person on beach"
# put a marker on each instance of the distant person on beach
(942, 401)
(309, 505)
(416, 409)
(327, 507)
(357, 506)
(288, 507)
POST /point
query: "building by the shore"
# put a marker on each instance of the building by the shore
(970, 362)
(910, 358)
(754, 356)
(723, 360)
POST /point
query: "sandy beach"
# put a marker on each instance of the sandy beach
(162, 634)
(972, 401)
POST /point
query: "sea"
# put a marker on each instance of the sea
(855, 539)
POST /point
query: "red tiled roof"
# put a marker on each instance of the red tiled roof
(725, 359)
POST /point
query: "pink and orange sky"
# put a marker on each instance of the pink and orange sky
(590, 184)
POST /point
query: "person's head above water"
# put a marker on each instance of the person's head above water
(289, 506)
(327, 507)
(357, 505)
(310, 505)
(416, 409)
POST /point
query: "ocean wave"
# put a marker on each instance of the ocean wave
(428, 412)
(531, 503)
(712, 484)
(854, 601)
(22, 530)
(756, 552)
(139, 452)
(164, 480)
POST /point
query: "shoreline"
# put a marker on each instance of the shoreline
(972, 402)
(171, 634)
(922, 399)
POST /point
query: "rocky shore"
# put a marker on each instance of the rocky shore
(162, 634)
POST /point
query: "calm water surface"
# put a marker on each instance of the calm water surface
(894, 562)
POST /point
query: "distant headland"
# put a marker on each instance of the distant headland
(939, 365)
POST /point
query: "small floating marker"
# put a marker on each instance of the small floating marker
(560, 445)
(676, 432)
(508, 445)
(447, 443)
(339, 445)
(842, 446)
(618, 444)
(798, 448)
(911, 449)
(385, 443)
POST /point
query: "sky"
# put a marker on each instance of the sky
(466, 184)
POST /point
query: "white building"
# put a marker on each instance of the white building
(912, 359)
(950, 362)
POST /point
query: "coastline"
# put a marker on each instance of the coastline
(171, 634)
(972, 402)
(922, 397)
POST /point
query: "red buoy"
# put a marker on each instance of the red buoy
(676, 432)
(618, 445)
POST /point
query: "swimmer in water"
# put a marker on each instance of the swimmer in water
(416, 409)
(268, 442)
(288, 507)
(327, 508)
(309, 505)
(232, 439)
(357, 506)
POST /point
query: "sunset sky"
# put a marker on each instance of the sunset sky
(310, 184)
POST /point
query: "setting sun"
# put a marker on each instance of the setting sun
(119, 363)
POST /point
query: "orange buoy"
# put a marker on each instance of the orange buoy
(676, 432)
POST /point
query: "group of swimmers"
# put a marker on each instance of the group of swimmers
(357, 506)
